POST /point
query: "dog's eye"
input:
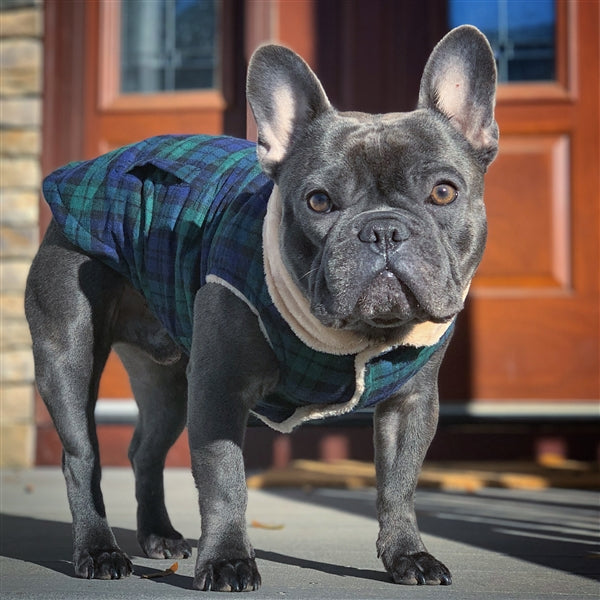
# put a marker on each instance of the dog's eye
(320, 202)
(443, 193)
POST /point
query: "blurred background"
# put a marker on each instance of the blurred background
(521, 379)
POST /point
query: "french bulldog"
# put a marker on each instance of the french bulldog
(316, 272)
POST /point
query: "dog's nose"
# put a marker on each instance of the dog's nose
(383, 235)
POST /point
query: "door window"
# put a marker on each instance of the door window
(521, 32)
(169, 45)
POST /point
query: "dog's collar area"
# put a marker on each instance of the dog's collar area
(294, 307)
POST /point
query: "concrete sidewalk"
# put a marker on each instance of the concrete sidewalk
(499, 544)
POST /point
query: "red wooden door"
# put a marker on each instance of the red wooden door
(529, 339)
(90, 109)
(534, 312)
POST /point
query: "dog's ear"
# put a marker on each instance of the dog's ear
(459, 81)
(284, 95)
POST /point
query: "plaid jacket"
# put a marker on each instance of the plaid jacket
(171, 211)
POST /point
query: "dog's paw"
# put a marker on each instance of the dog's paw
(235, 575)
(418, 569)
(103, 563)
(156, 546)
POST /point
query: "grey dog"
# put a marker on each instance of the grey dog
(315, 272)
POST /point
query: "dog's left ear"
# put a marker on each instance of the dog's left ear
(459, 81)
(285, 96)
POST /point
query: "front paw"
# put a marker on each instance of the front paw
(227, 575)
(157, 546)
(102, 563)
(418, 569)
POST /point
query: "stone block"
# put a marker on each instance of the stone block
(19, 207)
(17, 404)
(12, 306)
(15, 335)
(20, 173)
(13, 275)
(20, 112)
(20, 67)
(17, 446)
(23, 22)
(16, 366)
(20, 82)
(19, 142)
(19, 53)
(18, 241)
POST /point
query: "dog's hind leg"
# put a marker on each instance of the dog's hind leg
(68, 305)
(161, 394)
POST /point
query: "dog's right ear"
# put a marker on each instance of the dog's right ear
(285, 96)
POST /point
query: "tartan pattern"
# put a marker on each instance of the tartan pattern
(171, 210)
(143, 210)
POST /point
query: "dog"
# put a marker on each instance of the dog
(316, 272)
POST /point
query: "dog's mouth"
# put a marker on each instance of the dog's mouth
(387, 302)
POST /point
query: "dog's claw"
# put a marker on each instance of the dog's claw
(102, 564)
(156, 546)
(419, 569)
(236, 575)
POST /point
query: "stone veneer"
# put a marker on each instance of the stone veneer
(21, 55)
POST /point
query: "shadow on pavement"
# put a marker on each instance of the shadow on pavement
(328, 568)
(546, 527)
(34, 540)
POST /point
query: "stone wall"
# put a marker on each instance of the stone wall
(21, 54)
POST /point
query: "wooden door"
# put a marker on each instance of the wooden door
(529, 338)
(90, 108)
(114, 117)
(534, 310)
(530, 334)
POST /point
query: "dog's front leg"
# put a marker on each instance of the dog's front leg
(404, 427)
(230, 366)
(226, 560)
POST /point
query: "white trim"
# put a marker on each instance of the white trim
(125, 411)
(116, 410)
(219, 281)
(522, 409)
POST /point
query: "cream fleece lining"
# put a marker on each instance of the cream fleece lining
(295, 308)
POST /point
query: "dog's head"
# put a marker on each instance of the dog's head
(382, 222)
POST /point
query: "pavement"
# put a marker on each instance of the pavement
(315, 543)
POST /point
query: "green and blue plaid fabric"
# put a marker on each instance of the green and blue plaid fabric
(171, 210)
(143, 210)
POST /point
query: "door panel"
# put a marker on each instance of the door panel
(114, 118)
(531, 326)
(534, 327)
(528, 205)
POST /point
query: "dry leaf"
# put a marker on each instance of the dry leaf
(164, 573)
(259, 525)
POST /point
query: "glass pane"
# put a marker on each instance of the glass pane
(169, 45)
(521, 32)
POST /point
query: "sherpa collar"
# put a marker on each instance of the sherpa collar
(295, 308)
